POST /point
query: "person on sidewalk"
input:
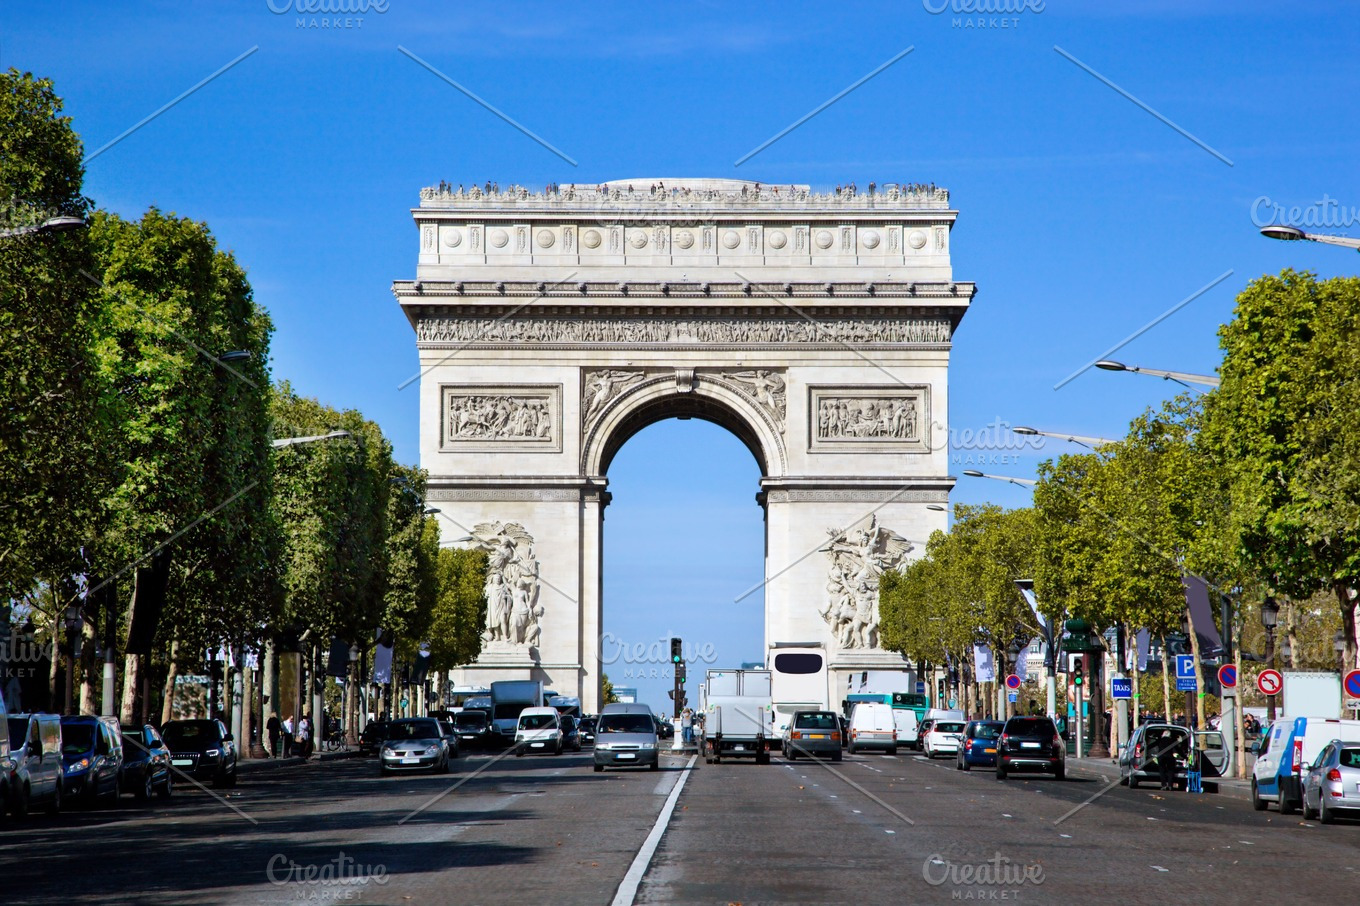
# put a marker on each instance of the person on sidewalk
(305, 737)
(288, 736)
(274, 727)
(687, 726)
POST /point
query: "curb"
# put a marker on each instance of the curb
(253, 765)
(1233, 789)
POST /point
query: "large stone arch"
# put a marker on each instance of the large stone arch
(685, 393)
(551, 327)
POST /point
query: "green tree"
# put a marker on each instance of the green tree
(460, 608)
(608, 696)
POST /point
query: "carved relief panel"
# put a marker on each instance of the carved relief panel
(515, 418)
(888, 418)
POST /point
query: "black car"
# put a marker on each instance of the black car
(146, 763)
(372, 738)
(571, 733)
(201, 749)
(664, 729)
(474, 729)
(586, 728)
(1030, 744)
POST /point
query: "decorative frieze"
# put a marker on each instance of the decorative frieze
(506, 418)
(662, 330)
(869, 418)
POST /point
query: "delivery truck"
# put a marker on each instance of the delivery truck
(738, 716)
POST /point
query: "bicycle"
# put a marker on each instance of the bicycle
(334, 741)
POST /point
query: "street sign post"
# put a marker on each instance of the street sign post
(1121, 687)
(1269, 682)
(1012, 683)
(1350, 687)
(1012, 697)
(1187, 677)
(1227, 677)
(920, 687)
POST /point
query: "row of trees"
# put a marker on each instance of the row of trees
(136, 421)
(1253, 486)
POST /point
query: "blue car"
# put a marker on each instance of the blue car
(979, 745)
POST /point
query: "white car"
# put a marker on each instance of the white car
(944, 738)
(539, 730)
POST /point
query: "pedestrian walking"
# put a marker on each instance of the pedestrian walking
(687, 726)
(274, 727)
(305, 736)
(288, 735)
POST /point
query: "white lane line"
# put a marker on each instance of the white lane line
(629, 886)
(1160, 868)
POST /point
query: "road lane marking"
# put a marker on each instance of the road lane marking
(628, 888)
(1160, 868)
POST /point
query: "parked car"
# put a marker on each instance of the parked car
(201, 749)
(665, 728)
(450, 736)
(146, 763)
(586, 727)
(872, 727)
(371, 740)
(813, 733)
(1333, 782)
(414, 744)
(1138, 761)
(35, 749)
(944, 738)
(625, 736)
(6, 759)
(571, 733)
(922, 729)
(1030, 744)
(979, 745)
(538, 730)
(92, 758)
(474, 729)
(1292, 743)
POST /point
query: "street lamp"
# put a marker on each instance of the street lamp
(50, 225)
(1180, 377)
(1290, 234)
(936, 507)
(1023, 482)
(1287, 653)
(236, 355)
(1339, 643)
(291, 441)
(1270, 617)
(1086, 441)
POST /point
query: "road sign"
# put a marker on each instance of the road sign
(1121, 687)
(920, 687)
(1269, 682)
(1012, 697)
(1351, 687)
(1012, 682)
(1227, 676)
(1187, 678)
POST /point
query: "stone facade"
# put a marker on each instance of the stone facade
(816, 327)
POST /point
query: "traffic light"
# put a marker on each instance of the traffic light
(680, 673)
(1077, 678)
(677, 652)
(939, 688)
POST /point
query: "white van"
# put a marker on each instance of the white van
(872, 727)
(904, 720)
(538, 730)
(1287, 751)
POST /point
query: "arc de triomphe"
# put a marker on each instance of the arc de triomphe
(553, 326)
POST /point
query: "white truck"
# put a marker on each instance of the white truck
(738, 720)
(508, 698)
(1312, 694)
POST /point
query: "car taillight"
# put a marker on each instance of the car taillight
(968, 740)
(854, 734)
(1334, 775)
(836, 737)
(796, 736)
(1057, 742)
(1298, 756)
(894, 736)
(1003, 739)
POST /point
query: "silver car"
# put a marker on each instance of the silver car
(1333, 782)
(625, 736)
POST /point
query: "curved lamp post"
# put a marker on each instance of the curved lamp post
(1184, 378)
(1021, 482)
(1090, 443)
(1291, 234)
(50, 225)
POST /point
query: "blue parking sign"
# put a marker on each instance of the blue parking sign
(1187, 677)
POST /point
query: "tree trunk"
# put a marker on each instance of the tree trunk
(1347, 600)
(1166, 681)
(1199, 692)
(1240, 759)
(132, 673)
(91, 669)
(168, 703)
(54, 668)
(1136, 702)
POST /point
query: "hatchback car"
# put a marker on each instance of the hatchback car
(371, 740)
(1030, 744)
(92, 759)
(979, 745)
(1333, 782)
(922, 729)
(571, 733)
(586, 727)
(625, 736)
(146, 763)
(813, 733)
(202, 750)
(474, 729)
(945, 737)
(414, 744)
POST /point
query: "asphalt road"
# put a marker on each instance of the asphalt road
(872, 829)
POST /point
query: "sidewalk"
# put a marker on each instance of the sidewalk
(252, 765)
(1109, 771)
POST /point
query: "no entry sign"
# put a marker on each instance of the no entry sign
(1269, 682)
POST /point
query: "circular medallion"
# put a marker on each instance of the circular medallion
(917, 239)
(546, 238)
(731, 240)
(591, 239)
(824, 239)
(776, 239)
(684, 239)
(453, 238)
(870, 239)
(637, 238)
(499, 238)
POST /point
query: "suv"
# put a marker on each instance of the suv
(35, 748)
(1030, 744)
(1139, 760)
(201, 749)
(813, 733)
(92, 758)
(473, 727)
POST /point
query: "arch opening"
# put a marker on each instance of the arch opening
(682, 407)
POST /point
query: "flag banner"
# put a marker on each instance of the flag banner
(382, 664)
(1197, 598)
(984, 668)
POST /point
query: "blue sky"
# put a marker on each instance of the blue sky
(1082, 216)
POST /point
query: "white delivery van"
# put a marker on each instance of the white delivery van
(872, 727)
(1290, 746)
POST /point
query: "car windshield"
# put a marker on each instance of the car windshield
(77, 739)
(949, 726)
(189, 732)
(587, 724)
(469, 720)
(626, 723)
(413, 729)
(1350, 758)
(986, 731)
(1029, 726)
(816, 722)
(536, 721)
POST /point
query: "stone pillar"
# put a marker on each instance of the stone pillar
(591, 595)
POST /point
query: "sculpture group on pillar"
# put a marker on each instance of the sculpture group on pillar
(858, 558)
(513, 613)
